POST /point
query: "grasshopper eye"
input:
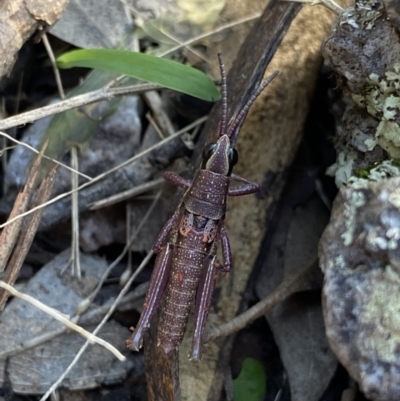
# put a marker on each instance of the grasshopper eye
(233, 157)
(209, 150)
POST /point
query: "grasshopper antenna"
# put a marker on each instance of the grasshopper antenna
(224, 97)
(234, 128)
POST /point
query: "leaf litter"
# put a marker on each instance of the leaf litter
(32, 369)
(285, 321)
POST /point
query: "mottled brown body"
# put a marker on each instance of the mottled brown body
(191, 258)
(185, 269)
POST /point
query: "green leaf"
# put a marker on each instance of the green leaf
(251, 384)
(145, 67)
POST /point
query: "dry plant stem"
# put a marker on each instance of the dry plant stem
(95, 315)
(75, 259)
(289, 286)
(44, 156)
(4, 150)
(162, 372)
(73, 103)
(206, 35)
(188, 47)
(55, 396)
(154, 101)
(54, 65)
(63, 319)
(106, 317)
(27, 233)
(35, 341)
(154, 124)
(4, 155)
(327, 3)
(12, 132)
(128, 270)
(9, 235)
(130, 193)
(167, 34)
(101, 176)
(278, 396)
(128, 236)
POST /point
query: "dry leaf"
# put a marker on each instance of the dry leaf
(34, 370)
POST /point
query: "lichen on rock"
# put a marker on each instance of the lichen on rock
(360, 248)
(364, 51)
(360, 257)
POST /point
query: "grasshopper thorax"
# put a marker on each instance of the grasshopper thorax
(220, 157)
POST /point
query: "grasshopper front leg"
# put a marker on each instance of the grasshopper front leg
(176, 179)
(249, 187)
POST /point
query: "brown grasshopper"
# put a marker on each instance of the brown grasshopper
(185, 269)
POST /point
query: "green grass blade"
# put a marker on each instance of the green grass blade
(145, 67)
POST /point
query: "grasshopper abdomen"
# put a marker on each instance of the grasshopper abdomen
(191, 258)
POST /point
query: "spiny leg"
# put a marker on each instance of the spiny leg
(158, 283)
(249, 187)
(203, 301)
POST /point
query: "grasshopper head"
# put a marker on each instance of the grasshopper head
(220, 157)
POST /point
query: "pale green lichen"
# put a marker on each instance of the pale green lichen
(370, 143)
(393, 234)
(357, 200)
(342, 170)
(380, 172)
(391, 274)
(337, 263)
(391, 107)
(381, 98)
(366, 15)
(394, 198)
(381, 300)
(383, 171)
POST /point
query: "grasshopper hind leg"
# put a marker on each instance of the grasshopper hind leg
(202, 307)
(158, 283)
